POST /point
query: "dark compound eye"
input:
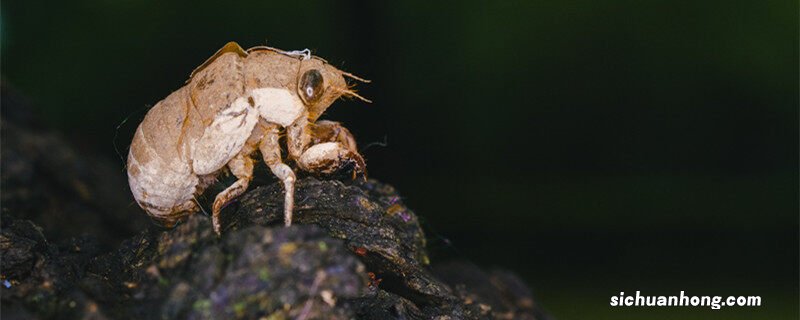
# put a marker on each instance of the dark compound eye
(311, 86)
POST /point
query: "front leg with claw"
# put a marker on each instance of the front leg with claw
(330, 157)
(333, 149)
(321, 148)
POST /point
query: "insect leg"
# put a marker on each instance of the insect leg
(242, 167)
(334, 147)
(331, 131)
(330, 157)
(298, 137)
(271, 151)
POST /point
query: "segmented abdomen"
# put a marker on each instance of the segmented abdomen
(159, 173)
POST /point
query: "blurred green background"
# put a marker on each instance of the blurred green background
(592, 147)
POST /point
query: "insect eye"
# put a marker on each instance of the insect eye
(311, 86)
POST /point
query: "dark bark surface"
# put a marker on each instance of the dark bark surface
(355, 251)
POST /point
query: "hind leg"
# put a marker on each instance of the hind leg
(241, 166)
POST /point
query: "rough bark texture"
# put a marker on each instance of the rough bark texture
(355, 251)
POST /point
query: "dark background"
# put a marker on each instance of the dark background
(591, 147)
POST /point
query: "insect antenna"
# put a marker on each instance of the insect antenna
(355, 77)
(351, 94)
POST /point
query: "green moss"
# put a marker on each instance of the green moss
(276, 316)
(202, 305)
(263, 274)
(239, 308)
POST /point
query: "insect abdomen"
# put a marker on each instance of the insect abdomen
(159, 174)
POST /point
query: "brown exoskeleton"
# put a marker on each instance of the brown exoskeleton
(235, 103)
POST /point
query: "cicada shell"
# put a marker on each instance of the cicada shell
(236, 105)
